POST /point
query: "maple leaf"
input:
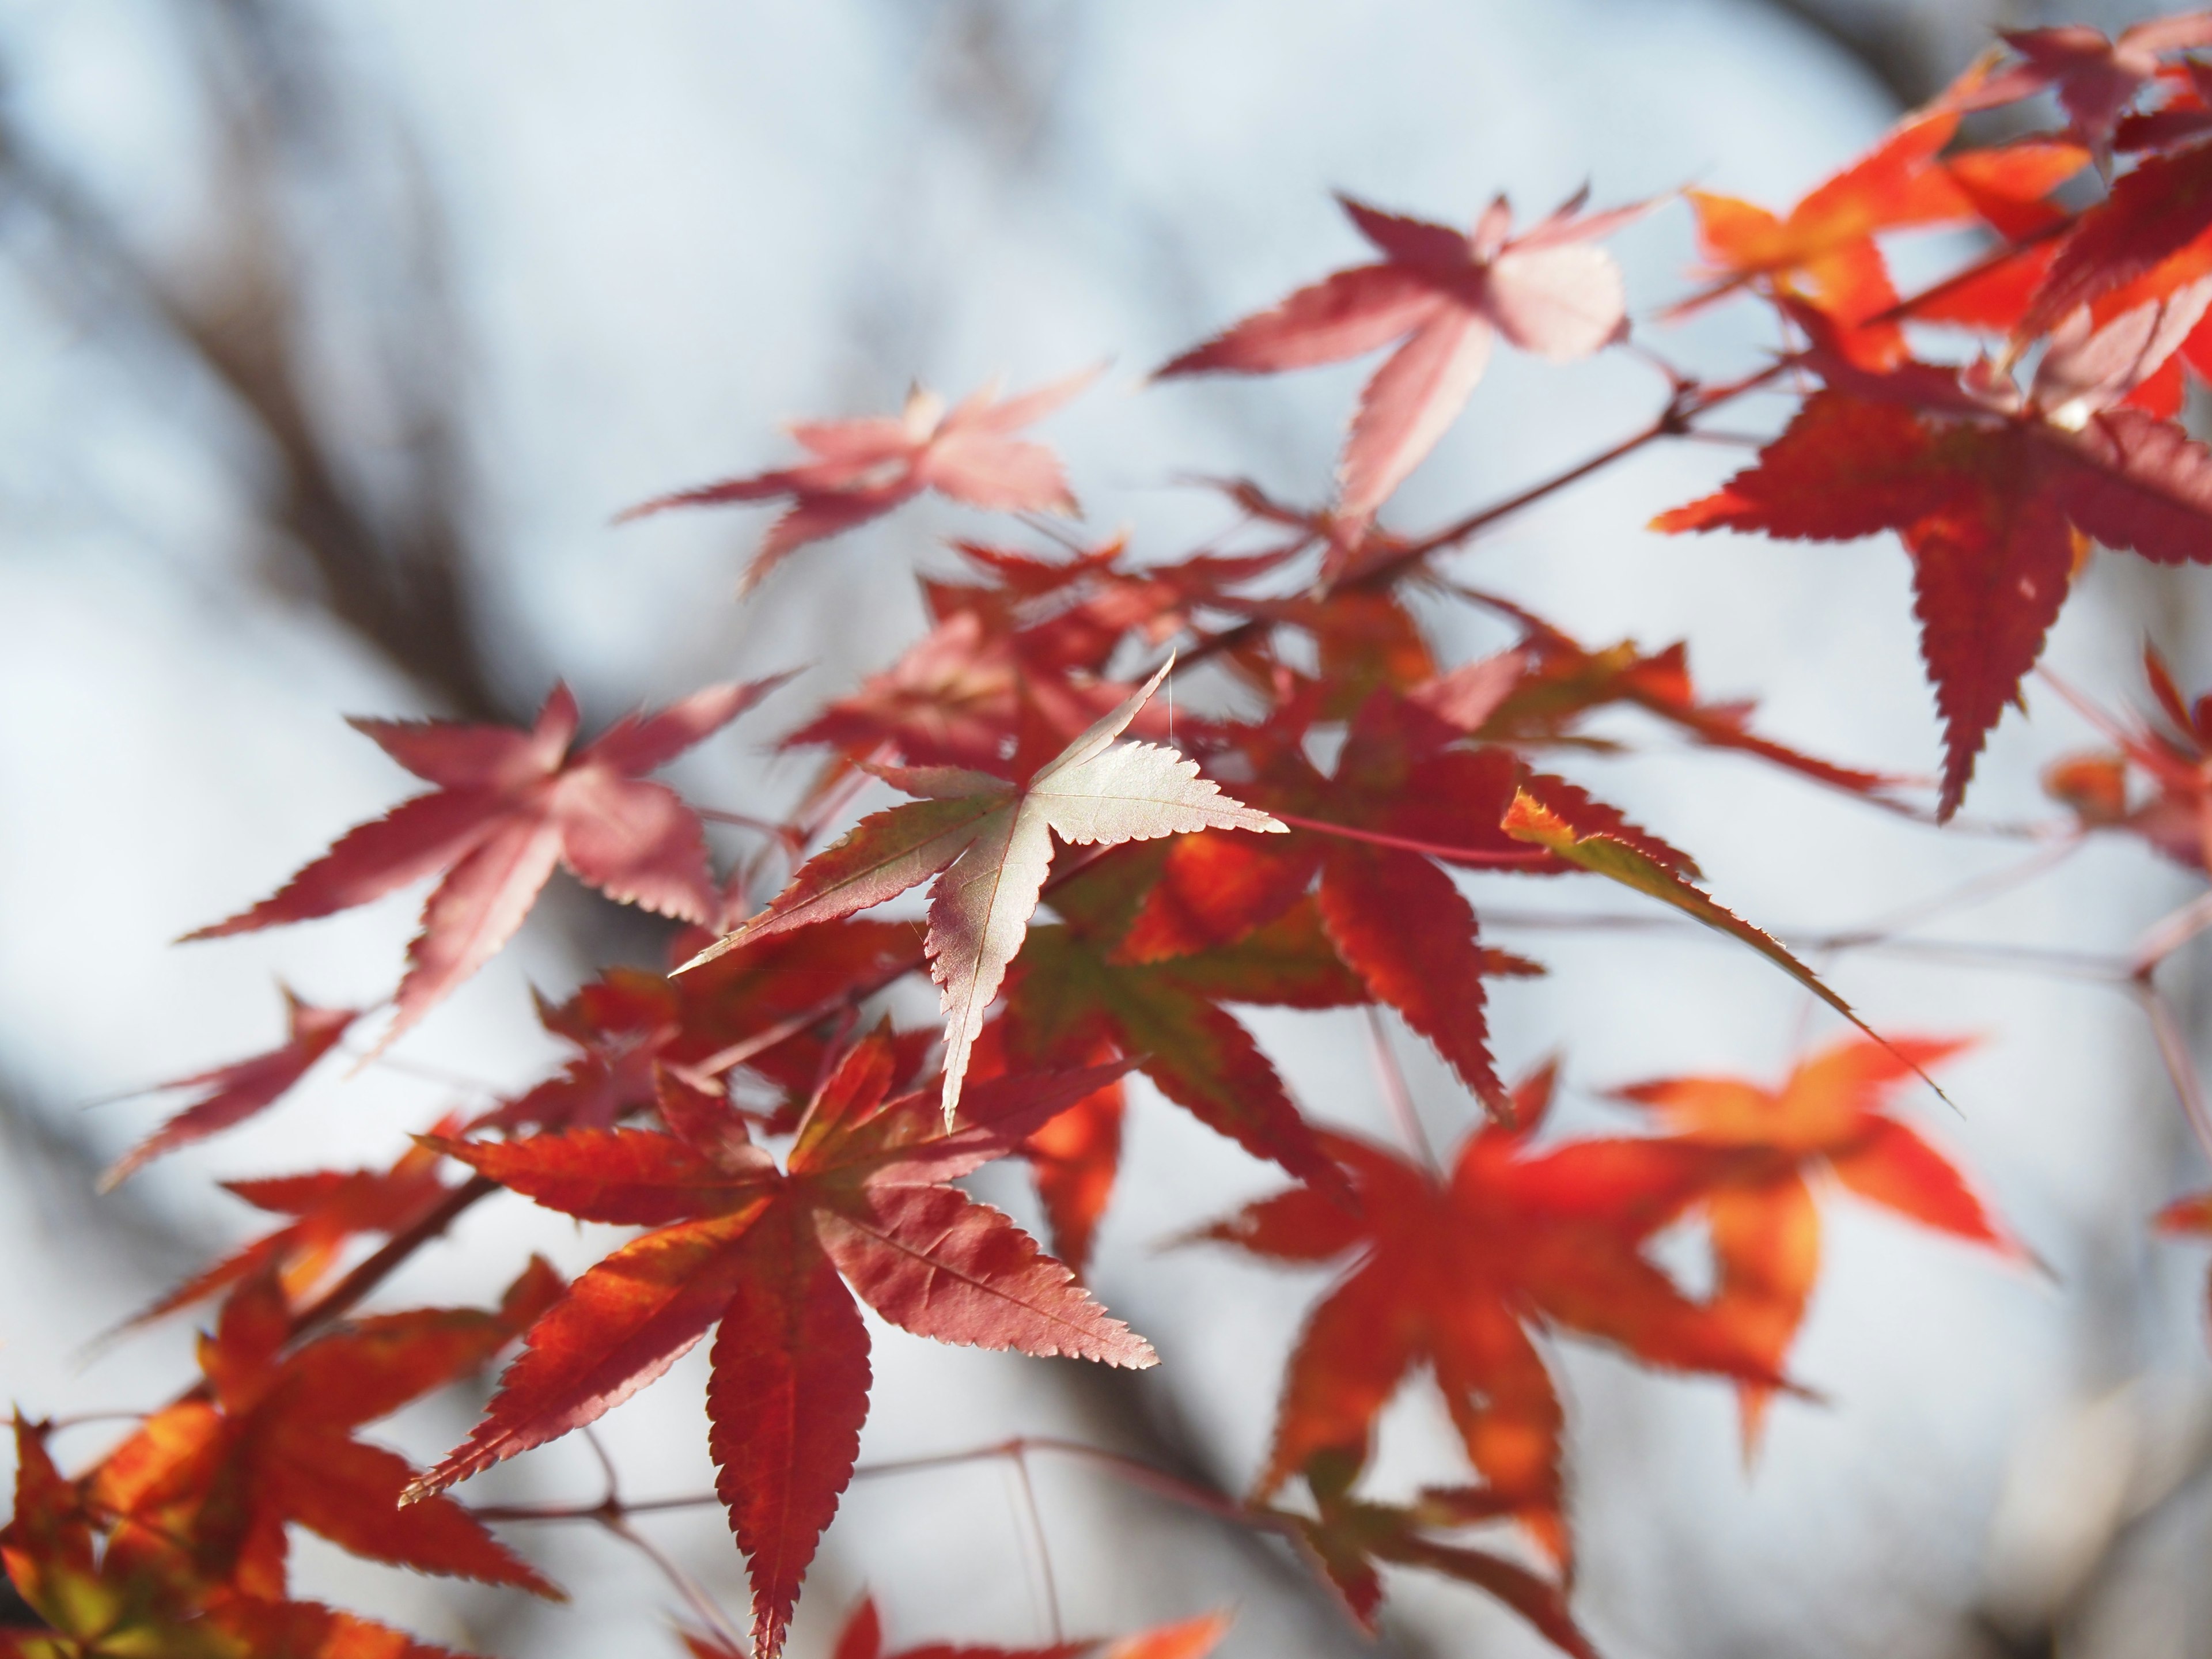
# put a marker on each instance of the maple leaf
(2177, 819)
(863, 468)
(2154, 213)
(308, 1630)
(627, 1024)
(1535, 692)
(509, 805)
(862, 1638)
(1073, 1161)
(1073, 999)
(328, 1208)
(1347, 1537)
(1454, 1271)
(1406, 797)
(2096, 78)
(1444, 293)
(760, 1251)
(1824, 252)
(1830, 1116)
(106, 1605)
(971, 693)
(988, 844)
(1620, 859)
(1991, 491)
(206, 1486)
(90, 1608)
(230, 1094)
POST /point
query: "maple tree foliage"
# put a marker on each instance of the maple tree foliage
(864, 468)
(864, 1194)
(510, 806)
(863, 1638)
(228, 1095)
(1827, 1118)
(1447, 294)
(1451, 1270)
(1321, 828)
(988, 844)
(2099, 786)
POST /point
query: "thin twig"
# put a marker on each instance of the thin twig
(693, 1592)
(2162, 939)
(1134, 1471)
(1963, 897)
(1475, 858)
(1390, 1078)
(2025, 958)
(783, 834)
(612, 1501)
(416, 1068)
(2180, 1064)
(1021, 1463)
(1672, 421)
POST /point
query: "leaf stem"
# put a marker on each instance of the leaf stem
(1474, 857)
(1391, 1077)
(693, 1592)
(1688, 401)
(1135, 1471)
(1021, 1465)
(2180, 1064)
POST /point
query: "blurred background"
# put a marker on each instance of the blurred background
(332, 336)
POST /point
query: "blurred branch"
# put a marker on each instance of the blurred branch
(391, 564)
(1912, 47)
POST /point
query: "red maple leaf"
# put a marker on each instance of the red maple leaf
(1993, 493)
(206, 1487)
(1444, 293)
(864, 1194)
(1074, 995)
(510, 806)
(1074, 1160)
(862, 1638)
(2096, 78)
(1830, 1116)
(985, 844)
(863, 468)
(328, 1209)
(1073, 1001)
(230, 1094)
(2154, 213)
(1824, 252)
(973, 694)
(1538, 691)
(628, 1022)
(1407, 798)
(1348, 1539)
(1453, 1271)
(2176, 818)
(115, 1604)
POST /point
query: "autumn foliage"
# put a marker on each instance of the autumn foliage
(1109, 883)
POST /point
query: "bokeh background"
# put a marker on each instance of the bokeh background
(331, 337)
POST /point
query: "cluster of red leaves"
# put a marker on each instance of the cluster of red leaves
(174, 1543)
(1456, 1269)
(1303, 842)
(863, 1638)
(1996, 489)
(863, 1202)
(2172, 816)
